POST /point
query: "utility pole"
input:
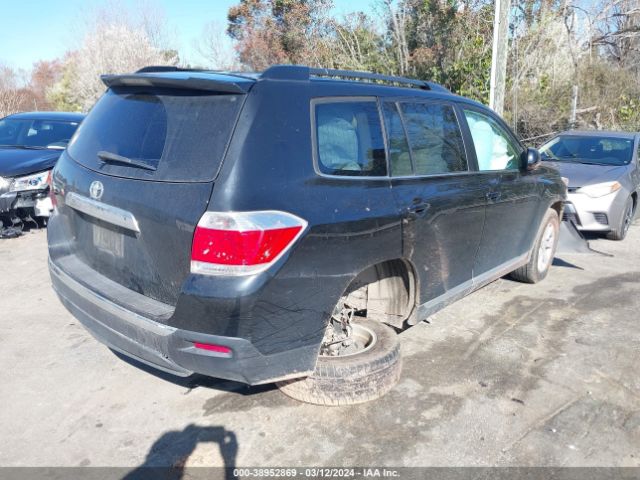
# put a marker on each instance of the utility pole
(499, 55)
(574, 107)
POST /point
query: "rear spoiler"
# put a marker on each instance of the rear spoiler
(205, 82)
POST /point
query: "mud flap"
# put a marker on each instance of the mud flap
(573, 241)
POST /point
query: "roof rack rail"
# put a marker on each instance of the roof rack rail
(298, 72)
(368, 77)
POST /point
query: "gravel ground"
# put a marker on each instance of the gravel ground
(526, 375)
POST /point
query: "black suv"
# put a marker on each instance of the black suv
(275, 226)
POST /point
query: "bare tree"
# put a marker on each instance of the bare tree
(117, 41)
(13, 96)
(357, 43)
(215, 49)
(616, 29)
(397, 12)
(11, 101)
(153, 21)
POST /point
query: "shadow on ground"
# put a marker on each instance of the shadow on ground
(167, 458)
(558, 262)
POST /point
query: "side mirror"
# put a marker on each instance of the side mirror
(530, 159)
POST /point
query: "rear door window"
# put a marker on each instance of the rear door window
(434, 137)
(349, 140)
(399, 153)
(181, 134)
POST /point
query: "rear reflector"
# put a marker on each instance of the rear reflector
(242, 243)
(213, 348)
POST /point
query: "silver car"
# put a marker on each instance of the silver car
(603, 178)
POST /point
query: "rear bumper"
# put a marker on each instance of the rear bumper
(171, 349)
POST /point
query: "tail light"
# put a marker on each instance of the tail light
(242, 243)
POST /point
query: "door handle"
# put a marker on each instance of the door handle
(417, 209)
(494, 196)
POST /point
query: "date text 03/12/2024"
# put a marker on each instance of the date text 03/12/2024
(316, 472)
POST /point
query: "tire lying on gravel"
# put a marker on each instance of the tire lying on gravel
(356, 378)
(544, 250)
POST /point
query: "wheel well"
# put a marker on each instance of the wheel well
(384, 292)
(558, 208)
(634, 196)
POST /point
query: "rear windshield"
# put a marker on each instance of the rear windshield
(179, 136)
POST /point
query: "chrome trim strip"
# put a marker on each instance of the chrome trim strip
(122, 313)
(500, 271)
(102, 211)
(430, 307)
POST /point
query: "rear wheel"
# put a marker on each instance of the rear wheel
(364, 367)
(625, 222)
(544, 251)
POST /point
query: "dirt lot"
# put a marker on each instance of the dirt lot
(512, 375)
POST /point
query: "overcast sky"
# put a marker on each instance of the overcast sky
(32, 30)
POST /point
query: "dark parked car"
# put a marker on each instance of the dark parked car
(270, 227)
(30, 144)
(604, 178)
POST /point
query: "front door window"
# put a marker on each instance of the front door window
(495, 149)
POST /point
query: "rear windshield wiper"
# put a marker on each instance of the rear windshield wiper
(109, 157)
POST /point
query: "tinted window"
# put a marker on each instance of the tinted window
(183, 134)
(399, 155)
(584, 149)
(435, 138)
(495, 148)
(36, 133)
(349, 138)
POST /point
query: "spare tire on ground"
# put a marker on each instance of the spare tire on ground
(357, 377)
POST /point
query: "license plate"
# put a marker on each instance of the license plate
(108, 241)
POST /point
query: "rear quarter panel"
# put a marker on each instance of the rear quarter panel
(353, 224)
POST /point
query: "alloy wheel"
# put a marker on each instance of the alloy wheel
(545, 251)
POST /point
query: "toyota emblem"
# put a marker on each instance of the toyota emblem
(96, 190)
